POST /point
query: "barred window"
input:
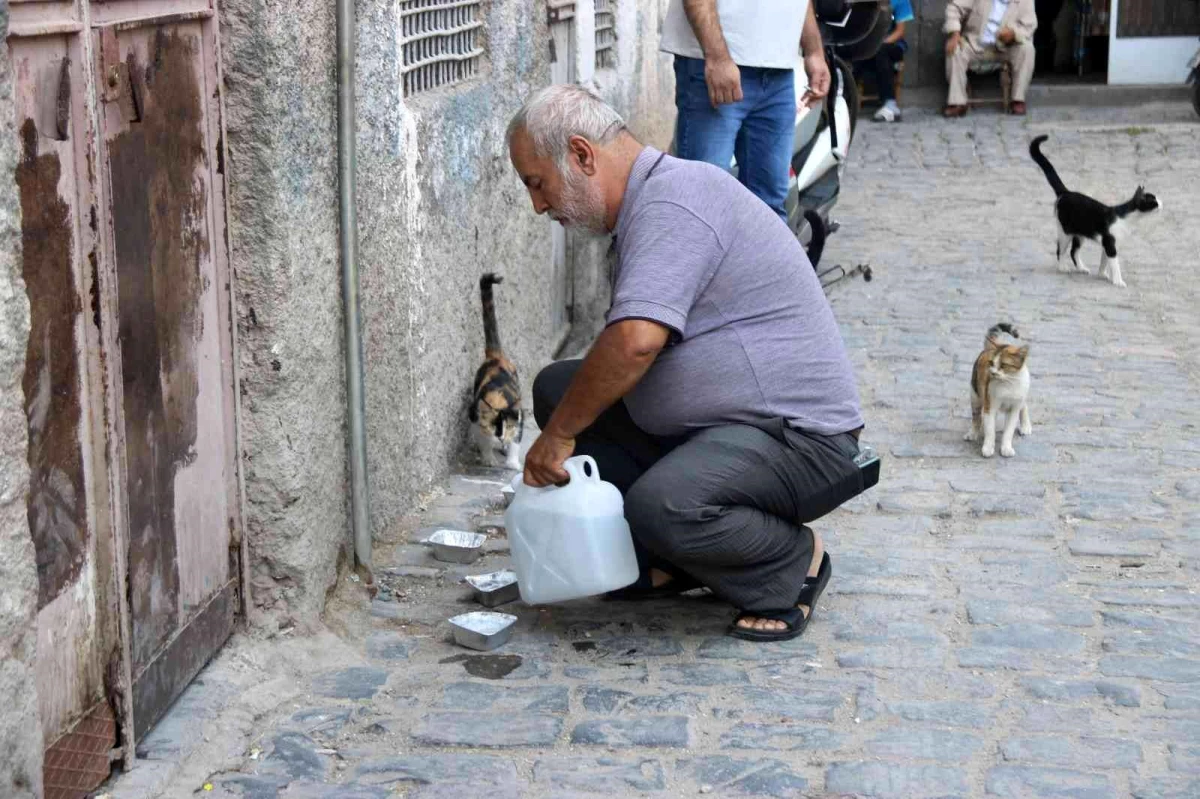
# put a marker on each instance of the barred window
(606, 34)
(440, 40)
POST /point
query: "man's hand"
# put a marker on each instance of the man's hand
(544, 461)
(724, 81)
(818, 79)
(953, 42)
(1006, 36)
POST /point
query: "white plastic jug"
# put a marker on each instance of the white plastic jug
(571, 541)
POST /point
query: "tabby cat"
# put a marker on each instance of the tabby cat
(999, 382)
(1080, 217)
(495, 410)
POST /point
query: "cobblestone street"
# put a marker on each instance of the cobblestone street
(994, 627)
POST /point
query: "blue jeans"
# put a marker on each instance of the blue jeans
(759, 130)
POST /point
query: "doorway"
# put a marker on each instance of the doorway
(1072, 41)
(129, 385)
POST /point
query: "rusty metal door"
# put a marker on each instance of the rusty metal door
(78, 633)
(157, 77)
(129, 383)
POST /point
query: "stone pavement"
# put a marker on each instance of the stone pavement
(1006, 627)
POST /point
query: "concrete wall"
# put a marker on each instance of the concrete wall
(280, 118)
(20, 749)
(438, 205)
(925, 63)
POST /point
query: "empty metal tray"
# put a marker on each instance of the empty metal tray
(482, 629)
(495, 588)
(457, 546)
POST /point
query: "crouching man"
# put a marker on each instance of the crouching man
(719, 399)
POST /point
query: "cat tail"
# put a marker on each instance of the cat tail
(491, 331)
(817, 244)
(1035, 149)
(998, 328)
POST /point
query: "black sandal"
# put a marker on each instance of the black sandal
(644, 588)
(793, 617)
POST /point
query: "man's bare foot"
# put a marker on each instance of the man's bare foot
(771, 625)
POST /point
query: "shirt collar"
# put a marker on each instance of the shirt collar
(637, 178)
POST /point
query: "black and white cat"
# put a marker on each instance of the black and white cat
(1080, 217)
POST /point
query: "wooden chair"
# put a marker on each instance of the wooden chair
(986, 68)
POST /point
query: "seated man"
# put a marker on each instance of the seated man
(882, 68)
(719, 399)
(988, 30)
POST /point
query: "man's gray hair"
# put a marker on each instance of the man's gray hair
(556, 113)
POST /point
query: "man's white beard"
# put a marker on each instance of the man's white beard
(582, 204)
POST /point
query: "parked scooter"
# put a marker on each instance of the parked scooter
(1194, 76)
(1194, 79)
(852, 30)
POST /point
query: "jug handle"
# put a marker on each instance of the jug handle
(582, 467)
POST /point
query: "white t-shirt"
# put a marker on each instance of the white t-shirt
(992, 28)
(758, 33)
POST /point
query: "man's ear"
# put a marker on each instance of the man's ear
(583, 154)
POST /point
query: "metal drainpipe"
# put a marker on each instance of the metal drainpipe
(355, 406)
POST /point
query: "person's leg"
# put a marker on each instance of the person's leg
(621, 449)
(1022, 58)
(703, 133)
(883, 66)
(956, 74)
(728, 507)
(768, 134)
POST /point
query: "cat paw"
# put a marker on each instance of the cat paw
(970, 435)
(988, 450)
(1007, 452)
(1119, 283)
(1083, 270)
(1025, 429)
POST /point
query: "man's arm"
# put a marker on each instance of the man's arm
(815, 67)
(957, 12)
(617, 361)
(723, 77)
(1025, 23)
(896, 35)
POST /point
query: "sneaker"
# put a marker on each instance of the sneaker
(889, 112)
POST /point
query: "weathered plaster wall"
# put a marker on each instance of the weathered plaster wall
(20, 751)
(280, 115)
(642, 88)
(438, 205)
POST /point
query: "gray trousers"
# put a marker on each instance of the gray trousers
(726, 505)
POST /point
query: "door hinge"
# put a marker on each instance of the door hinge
(120, 77)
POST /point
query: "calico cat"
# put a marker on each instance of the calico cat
(999, 382)
(1080, 217)
(495, 410)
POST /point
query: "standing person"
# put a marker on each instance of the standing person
(1044, 40)
(735, 87)
(883, 66)
(988, 30)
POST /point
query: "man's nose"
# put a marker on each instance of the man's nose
(539, 203)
